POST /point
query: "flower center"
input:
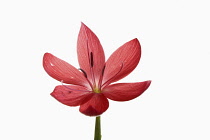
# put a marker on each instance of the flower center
(96, 90)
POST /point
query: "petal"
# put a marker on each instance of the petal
(95, 106)
(122, 62)
(90, 54)
(62, 71)
(71, 95)
(125, 91)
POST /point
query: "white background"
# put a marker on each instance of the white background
(174, 35)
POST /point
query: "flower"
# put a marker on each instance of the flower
(90, 86)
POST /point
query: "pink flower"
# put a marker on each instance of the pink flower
(90, 86)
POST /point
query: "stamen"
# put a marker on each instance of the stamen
(113, 76)
(91, 59)
(90, 56)
(72, 88)
(85, 74)
(101, 77)
(103, 69)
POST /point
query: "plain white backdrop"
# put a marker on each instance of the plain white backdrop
(175, 55)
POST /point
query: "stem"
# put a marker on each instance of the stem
(98, 129)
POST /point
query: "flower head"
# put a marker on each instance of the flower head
(90, 85)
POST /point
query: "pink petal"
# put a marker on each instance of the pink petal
(90, 54)
(62, 71)
(95, 106)
(122, 62)
(125, 91)
(71, 95)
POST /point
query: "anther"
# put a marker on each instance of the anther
(103, 70)
(101, 77)
(113, 76)
(91, 59)
(85, 74)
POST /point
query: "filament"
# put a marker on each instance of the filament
(72, 88)
(113, 76)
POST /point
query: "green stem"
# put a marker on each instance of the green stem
(98, 129)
